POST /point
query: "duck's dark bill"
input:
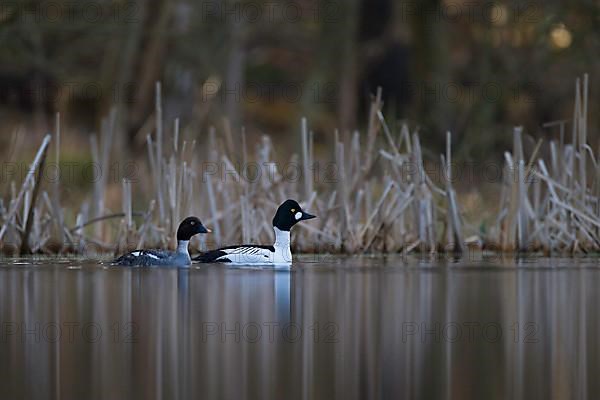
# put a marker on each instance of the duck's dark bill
(203, 229)
(306, 216)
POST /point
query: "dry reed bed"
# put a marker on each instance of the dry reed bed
(553, 205)
(378, 198)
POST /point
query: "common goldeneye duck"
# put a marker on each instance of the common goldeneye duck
(288, 214)
(179, 258)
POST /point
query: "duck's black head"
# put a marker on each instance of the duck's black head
(289, 214)
(190, 227)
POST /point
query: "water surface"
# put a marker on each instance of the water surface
(328, 328)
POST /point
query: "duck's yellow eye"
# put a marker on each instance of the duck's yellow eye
(193, 223)
(293, 210)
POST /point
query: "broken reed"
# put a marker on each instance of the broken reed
(553, 207)
(371, 206)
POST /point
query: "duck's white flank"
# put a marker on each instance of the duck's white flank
(250, 255)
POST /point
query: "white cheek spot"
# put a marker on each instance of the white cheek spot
(298, 215)
(135, 254)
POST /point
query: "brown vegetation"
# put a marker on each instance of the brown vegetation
(375, 196)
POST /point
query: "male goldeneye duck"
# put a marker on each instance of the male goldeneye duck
(179, 258)
(288, 214)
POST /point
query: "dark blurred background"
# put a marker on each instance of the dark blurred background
(476, 68)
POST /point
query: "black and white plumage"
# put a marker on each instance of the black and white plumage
(179, 258)
(240, 254)
(288, 214)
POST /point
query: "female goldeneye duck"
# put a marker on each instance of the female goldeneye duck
(288, 214)
(179, 258)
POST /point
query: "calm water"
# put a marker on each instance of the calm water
(329, 328)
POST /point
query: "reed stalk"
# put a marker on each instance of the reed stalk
(374, 196)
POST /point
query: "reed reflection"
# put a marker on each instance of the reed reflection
(319, 331)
